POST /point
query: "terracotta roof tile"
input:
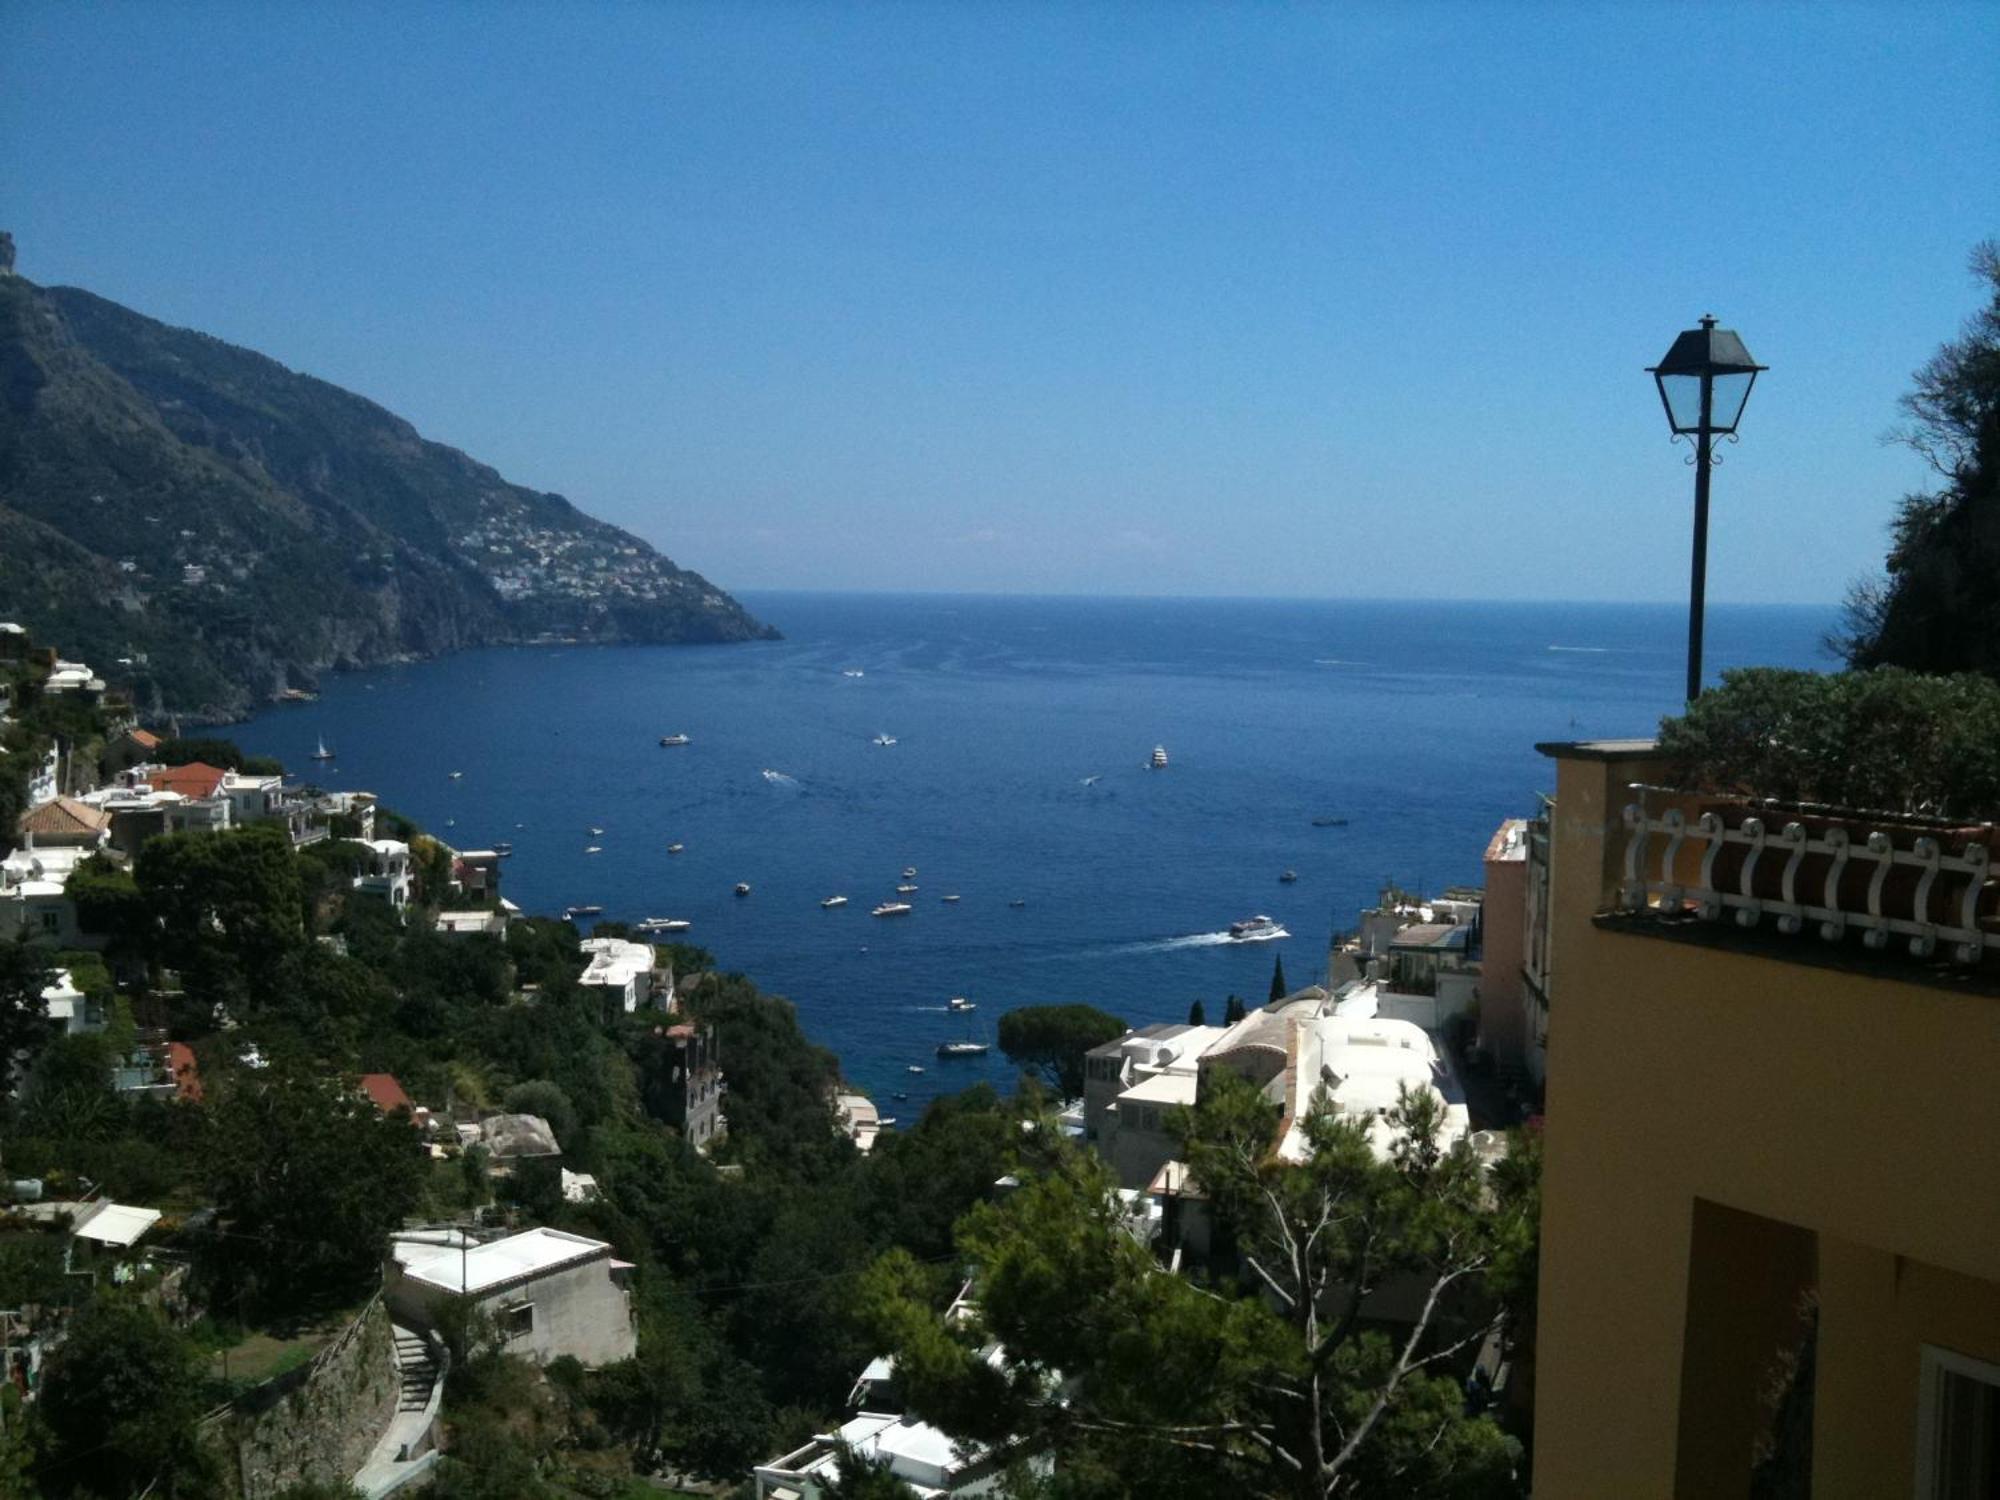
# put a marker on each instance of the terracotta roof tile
(64, 817)
(386, 1092)
(196, 779)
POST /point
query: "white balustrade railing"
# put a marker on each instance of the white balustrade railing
(1653, 856)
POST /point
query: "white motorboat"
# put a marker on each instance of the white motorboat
(960, 1003)
(853, 672)
(962, 1049)
(884, 739)
(949, 900)
(673, 739)
(1257, 929)
(1289, 876)
(583, 911)
(742, 887)
(592, 849)
(675, 848)
(914, 1068)
(596, 832)
(909, 872)
(1159, 760)
(665, 924)
(891, 909)
(832, 901)
(456, 774)
(905, 889)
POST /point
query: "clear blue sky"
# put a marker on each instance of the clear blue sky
(1127, 298)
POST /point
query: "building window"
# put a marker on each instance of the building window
(50, 921)
(516, 1320)
(1958, 1428)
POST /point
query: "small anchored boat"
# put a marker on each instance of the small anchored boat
(673, 739)
(891, 909)
(832, 901)
(742, 887)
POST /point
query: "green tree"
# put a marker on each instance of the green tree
(225, 907)
(1278, 987)
(1052, 1040)
(308, 1180)
(25, 972)
(120, 1399)
(1196, 1015)
(1233, 1011)
(858, 1478)
(1282, 1383)
(1938, 610)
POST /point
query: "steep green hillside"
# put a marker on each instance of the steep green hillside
(210, 528)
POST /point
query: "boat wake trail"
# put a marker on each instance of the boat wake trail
(1585, 650)
(779, 778)
(1167, 945)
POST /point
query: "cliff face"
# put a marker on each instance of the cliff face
(208, 528)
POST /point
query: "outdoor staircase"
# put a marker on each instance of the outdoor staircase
(417, 1368)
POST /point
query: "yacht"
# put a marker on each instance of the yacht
(675, 848)
(853, 672)
(891, 909)
(1289, 876)
(949, 900)
(960, 1003)
(593, 849)
(322, 753)
(885, 739)
(1258, 929)
(742, 887)
(1159, 760)
(962, 1049)
(914, 1068)
(665, 924)
(673, 739)
(456, 774)
(583, 911)
(905, 889)
(1017, 901)
(832, 901)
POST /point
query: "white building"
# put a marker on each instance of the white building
(918, 1454)
(44, 778)
(622, 970)
(548, 1293)
(1132, 1089)
(34, 898)
(388, 872)
(68, 1007)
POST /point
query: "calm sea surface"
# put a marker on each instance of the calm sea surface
(1022, 728)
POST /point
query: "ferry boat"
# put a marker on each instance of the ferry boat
(1159, 760)
(742, 887)
(1258, 929)
(322, 753)
(885, 739)
(665, 924)
(832, 901)
(891, 909)
(962, 1049)
(673, 739)
(583, 911)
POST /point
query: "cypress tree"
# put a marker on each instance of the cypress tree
(1233, 1011)
(1196, 1016)
(1278, 979)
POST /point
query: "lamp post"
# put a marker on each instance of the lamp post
(1704, 384)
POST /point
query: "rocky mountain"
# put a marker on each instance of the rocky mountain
(208, 528)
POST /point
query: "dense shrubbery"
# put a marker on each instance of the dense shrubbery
(1885, 740)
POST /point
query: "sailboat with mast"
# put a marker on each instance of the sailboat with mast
(322, 753)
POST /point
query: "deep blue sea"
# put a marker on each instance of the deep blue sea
(1022, 728)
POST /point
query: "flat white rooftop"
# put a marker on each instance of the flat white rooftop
(529, 1253)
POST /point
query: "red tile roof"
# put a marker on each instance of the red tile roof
(386, 1092)
(187, 1078)
(195, 779)
(65, 817)
(144, 739)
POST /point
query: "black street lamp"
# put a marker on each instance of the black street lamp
(1704, 385)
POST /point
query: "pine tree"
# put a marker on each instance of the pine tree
(1278, 990)
(1196, 1016)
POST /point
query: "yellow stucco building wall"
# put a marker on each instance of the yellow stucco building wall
(1732, 1124)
